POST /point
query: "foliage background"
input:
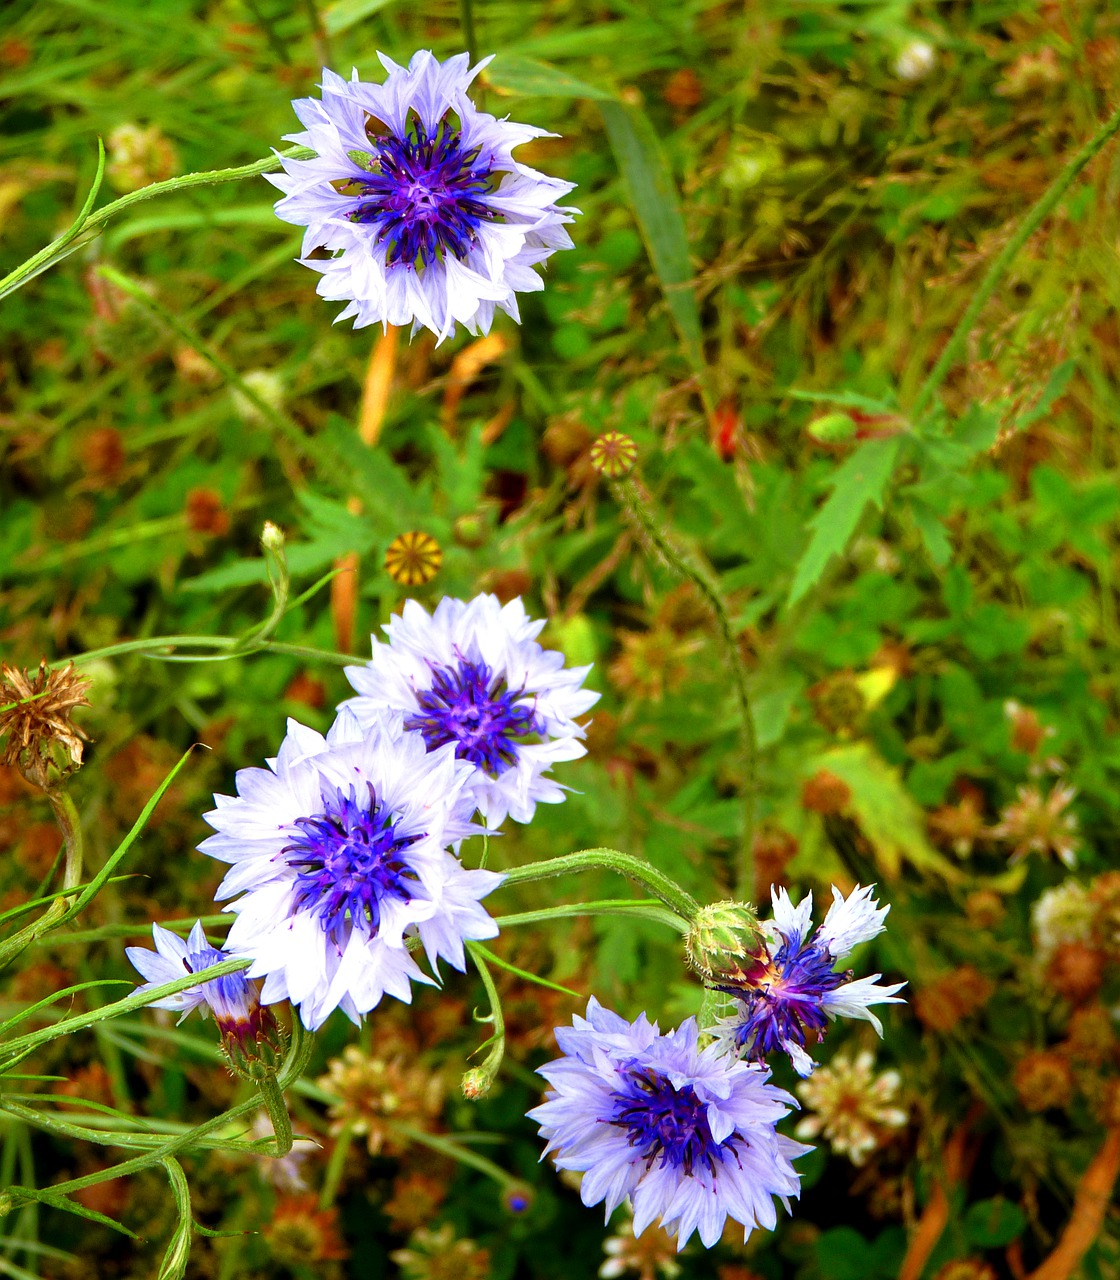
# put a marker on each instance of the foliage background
(834, 219)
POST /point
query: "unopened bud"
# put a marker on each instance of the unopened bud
(272, 537)
(725, 942)
(833, 428)
(613, 455)
(469, 530)
(476, 1084)
(518, 1198)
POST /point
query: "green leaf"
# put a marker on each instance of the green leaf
(491, 958)
(991, 1224)
(344, 14)
(656, 207)
(177, 1255)
(892, 821)
(526, 78)
(933, 533)
(846, 399)
(862, 478)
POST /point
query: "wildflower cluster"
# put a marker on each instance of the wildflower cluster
(343, 852)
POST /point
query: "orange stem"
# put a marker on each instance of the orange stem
(1094, 1194)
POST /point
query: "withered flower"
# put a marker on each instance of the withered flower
(41, 740)
(373, 1096)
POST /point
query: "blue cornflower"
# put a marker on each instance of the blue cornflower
(687, 1133)
(472, 675)
(233, 999)
(340, 849)
(427, 218)
(794, 990)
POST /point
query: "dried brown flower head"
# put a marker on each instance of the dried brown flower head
(437, 1255)
(1075, 971)
(651, 662)
(1090, 1037)
(648, 1256)
(951, 998)
(416, 1198)
(413, 559)
(1040, 824)
(839, 704)
(41, 741)
(958, 826)
(301, 1234)
(373, 1094)
(825, 793)
(206, 513)
(1043, 1080)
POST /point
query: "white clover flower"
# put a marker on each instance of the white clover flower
(416, 195)
(473, 675)
(1062, 915)
(915, 60)
(340, 850)
(852, 1107)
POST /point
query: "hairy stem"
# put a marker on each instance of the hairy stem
(954, 348)
(659, 884)
(273, 1098)
(493, 1060)
(637, 506)
(88, 224)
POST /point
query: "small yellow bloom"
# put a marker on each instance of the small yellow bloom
(413, 559)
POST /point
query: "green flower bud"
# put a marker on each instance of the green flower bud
(725, 943)
(476, 1083)
(833, 428)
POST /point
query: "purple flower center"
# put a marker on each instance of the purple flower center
(349, 859)
(428, 199)
(786, 1005)
(467, 705)
(666, 1122)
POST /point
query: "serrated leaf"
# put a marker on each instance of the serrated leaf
(656, 207)
(517, 76)
(861, 479)
(933, 532)
(890, 818)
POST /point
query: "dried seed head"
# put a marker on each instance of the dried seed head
(413, 559)
(42, 742)
(614, 454)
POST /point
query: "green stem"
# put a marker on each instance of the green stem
(138, 1000)
(71, 825)
(450, 1148)
(647, 910)
(954, 348)
(659, 884)
(228, 644)
(273, 1098)
(299, 1054)
(637, 506)
(93, 222)
(466, 18)
(311, 450)
(336, 1165)
(488, 1070)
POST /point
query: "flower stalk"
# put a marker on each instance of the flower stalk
(637, 506)
(660, 885)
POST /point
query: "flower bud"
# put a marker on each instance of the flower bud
(476, 1083)
(613, 455)
(833, 428)
(725, 942)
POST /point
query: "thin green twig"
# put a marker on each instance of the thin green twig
(954, 348)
